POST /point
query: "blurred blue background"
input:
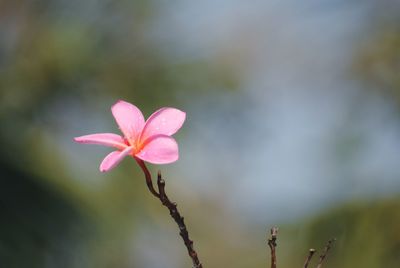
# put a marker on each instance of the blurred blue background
(292, 120)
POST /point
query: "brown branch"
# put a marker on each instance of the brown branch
(173, 211)
(310, 255)
(325, 252)
(272, 246)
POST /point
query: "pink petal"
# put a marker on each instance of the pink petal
(113, 159)
(165, 121)
(129, 119)
(160, 149)
(106, 139)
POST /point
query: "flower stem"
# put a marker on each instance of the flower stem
(147, 175)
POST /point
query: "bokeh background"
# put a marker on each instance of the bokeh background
(293, 119)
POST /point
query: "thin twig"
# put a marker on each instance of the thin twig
(325, 252)
(311, 252)
(272, 246)
(173, 211)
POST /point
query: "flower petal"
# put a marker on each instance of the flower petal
(106, 139)
(113, 159)
(160, 149)
(129, 119)
(165, 121)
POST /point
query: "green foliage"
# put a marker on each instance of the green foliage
(367, 234)
(38, 226)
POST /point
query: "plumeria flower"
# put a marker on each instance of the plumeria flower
(149, 141)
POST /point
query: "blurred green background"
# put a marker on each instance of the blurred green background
(292, 120)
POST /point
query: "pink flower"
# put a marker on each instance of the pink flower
(149, 141)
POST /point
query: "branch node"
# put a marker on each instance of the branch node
(272, 245)
(173, 211)
(325, 252)
(311, 252)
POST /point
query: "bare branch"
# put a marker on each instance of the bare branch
(173, 211)
(325, 252)
(311, 252)
(272, 245)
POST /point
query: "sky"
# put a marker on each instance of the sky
(301, 135)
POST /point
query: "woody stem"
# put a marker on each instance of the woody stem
(173, 211)
(325, 252)
(272, 245)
